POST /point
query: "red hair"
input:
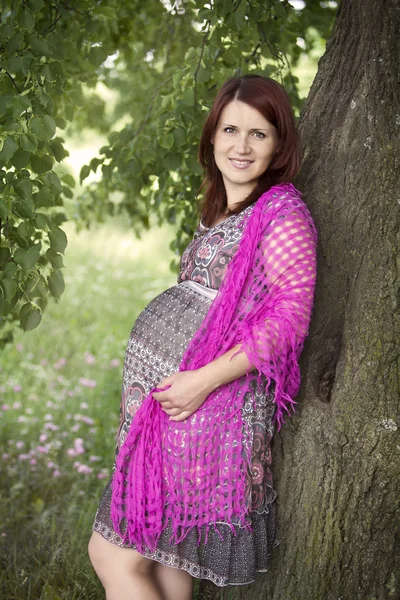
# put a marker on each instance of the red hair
(271, 100)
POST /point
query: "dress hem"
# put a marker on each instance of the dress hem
(194, 570)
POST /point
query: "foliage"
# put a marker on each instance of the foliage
(166, 63)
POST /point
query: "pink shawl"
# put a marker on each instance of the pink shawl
(193, 473)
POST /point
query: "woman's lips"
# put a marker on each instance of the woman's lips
(241, 164)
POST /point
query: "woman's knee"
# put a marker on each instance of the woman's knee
(109, 560)
(97, 553)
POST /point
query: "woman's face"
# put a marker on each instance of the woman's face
(244, 145)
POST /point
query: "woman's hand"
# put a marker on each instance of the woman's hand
(188, 391)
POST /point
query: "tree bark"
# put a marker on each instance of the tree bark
(336, 462)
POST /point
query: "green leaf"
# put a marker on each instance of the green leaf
(58, 150)
(94, 163)
(26, 61)
(4, 254)
(56, 284)
(24, 189)
(25, 229)
(29, 317)
(61, 123)
(23, 208)
(36, 5)
(58, 239)
(53, 181)
(188, 96)
(97, 55)
(57, 74)
(280, 11)
(26, 19)
(59, 218)
(15, 42)
(55, 258)
(40, 221)
(4, 101)
(173, 160)
(9, 287)
(4, 210)
(40, 290)
(40, 47)
(203, 75)
(19, 105)
(68, 180)
(10, 146)
(167, 141)
(20, 159)
(9, 269)
(44, 197)
(14, 64)
(41, 164)
(180, 136)
(27, 259)
(7, 28)
(68, 193)
(28, 142)
(43, 127)
(85, 172)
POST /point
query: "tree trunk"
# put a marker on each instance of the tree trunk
(336, 462)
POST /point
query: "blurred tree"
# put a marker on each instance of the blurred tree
(166, 61)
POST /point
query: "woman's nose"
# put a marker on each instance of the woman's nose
(242, 145)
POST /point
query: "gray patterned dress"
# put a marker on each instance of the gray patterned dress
(155, 348)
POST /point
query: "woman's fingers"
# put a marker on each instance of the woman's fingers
(167, 381)
(160, 396)
(172, 411)
(181, 416)
(166, 405)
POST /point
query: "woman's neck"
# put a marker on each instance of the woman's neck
(236, 194)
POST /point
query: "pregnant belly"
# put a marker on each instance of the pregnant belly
(158, 340)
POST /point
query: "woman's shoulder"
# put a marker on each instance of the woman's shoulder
(282, 201)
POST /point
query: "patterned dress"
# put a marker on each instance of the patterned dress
(155, 348)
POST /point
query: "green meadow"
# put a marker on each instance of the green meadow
(59, 398)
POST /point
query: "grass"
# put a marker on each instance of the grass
(59, 395)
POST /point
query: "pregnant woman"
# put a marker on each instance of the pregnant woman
(211, 367)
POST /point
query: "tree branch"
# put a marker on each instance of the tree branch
(139, 129)
(52, 24)
(203, 45)
(13, 82)
(75, 9)
(254, 53)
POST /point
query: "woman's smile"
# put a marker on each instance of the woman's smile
(240, 163)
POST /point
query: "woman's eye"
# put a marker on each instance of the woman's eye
(229, 129)
(259, 134)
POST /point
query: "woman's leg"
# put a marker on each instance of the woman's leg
(175, 584)
(124, 573)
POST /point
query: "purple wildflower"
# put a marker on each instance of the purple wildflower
(89, 383)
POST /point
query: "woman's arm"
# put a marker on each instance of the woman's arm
(225, 369)
(189, 389)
